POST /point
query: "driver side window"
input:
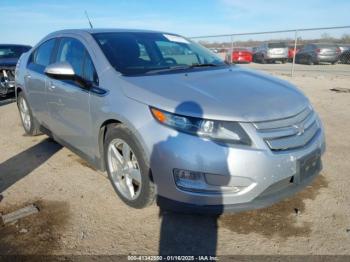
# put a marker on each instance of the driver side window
(73, 51)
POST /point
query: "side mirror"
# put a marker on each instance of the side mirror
(60, 70)
(64, 71)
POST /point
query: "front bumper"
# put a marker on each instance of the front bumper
(272, 176)
(7, 82)
(257, 203)
(277, 56)
(7, 89)
(327, 58)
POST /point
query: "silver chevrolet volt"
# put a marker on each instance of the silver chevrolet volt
(169, 120)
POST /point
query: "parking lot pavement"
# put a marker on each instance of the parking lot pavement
(80, 213)
(303, 70)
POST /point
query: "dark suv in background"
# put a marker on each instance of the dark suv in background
(9, 55)
(318, 53)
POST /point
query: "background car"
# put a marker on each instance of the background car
(9, 55)
(318, 53)
(344, 47)
(239, 55)
(344, 57)
(291, 52)
(271, 52)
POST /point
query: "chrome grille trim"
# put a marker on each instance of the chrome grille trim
(293, 141)
(289, 133)
(285, 122)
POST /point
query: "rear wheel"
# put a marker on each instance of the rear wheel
(127, 167)
(30, 124)
(309, 61)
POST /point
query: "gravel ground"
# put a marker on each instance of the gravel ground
(80, 213)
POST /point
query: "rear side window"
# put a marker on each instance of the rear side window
(277, 45)
(329, 46)
(42, 55)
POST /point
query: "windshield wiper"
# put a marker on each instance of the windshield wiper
(202, 65)
(172, 68)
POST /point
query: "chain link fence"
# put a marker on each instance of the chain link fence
(289, 52)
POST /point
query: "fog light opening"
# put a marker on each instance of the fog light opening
(195, 181)
(189, 179)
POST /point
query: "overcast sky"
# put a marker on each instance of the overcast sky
(28, 21)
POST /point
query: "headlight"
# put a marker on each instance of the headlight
(222, 131)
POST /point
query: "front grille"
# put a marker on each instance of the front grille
(289, 133)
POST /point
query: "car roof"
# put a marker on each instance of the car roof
(1, 45)
(105, 30)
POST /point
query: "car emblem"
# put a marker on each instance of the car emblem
(300, 129)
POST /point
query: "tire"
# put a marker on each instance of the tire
(297, 61)
(309, 61)
(117, 137)
(284, 61)
(29, 123)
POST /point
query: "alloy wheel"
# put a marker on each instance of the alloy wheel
(24, 112)
(124, 169)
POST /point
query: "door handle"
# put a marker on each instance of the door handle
(28, 76)
(51, 86)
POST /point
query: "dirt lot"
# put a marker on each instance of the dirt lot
(80, 213)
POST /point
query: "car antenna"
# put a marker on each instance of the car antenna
(87, 16)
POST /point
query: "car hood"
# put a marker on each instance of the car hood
(233, 94)
(8, 62)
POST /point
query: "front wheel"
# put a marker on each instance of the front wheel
(127, 167)
(30, 125)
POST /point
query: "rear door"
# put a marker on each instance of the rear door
(68, 101)
(36, 80)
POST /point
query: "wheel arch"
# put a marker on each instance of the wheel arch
(18, 90)
(101, 139)
(102, 134)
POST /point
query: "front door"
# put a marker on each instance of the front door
(68, 101)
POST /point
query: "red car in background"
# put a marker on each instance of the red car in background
(239, 55)
(291, 52)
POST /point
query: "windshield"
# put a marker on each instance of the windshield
(12, 51)
(135, 53)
